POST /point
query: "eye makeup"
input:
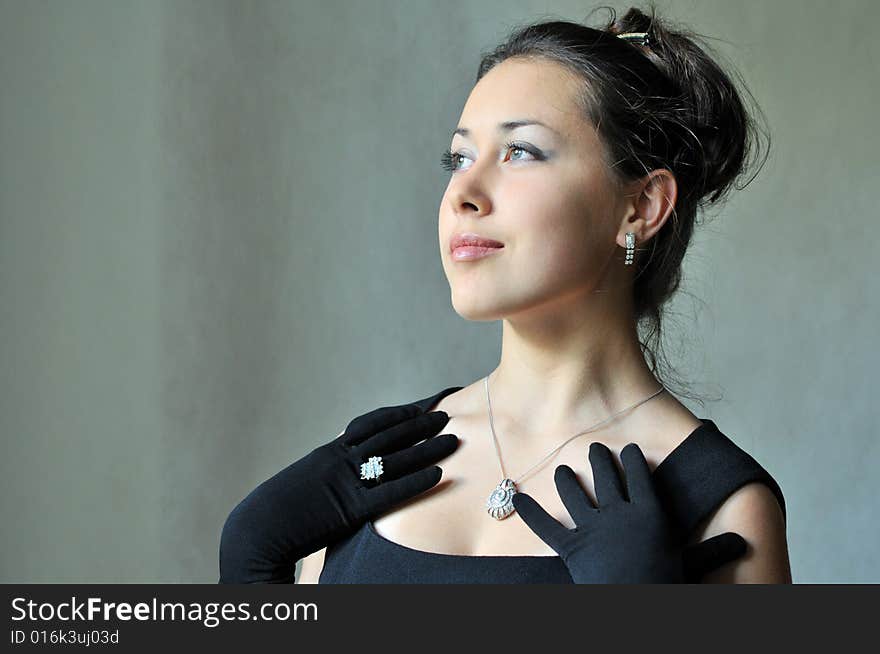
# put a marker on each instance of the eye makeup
(449, 158)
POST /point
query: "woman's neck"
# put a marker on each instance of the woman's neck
(557, 379)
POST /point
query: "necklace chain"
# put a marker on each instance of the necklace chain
(556, 449)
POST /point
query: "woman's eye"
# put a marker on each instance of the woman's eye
(519, 148)
(449, 159)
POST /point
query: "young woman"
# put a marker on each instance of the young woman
(580, 161)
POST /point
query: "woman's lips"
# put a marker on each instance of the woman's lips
(472, 252)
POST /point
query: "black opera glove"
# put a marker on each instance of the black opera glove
(321, 498)
(622, 541)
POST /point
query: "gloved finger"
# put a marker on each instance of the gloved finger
(402, 435)
(712, 553)
(434, 449)
(574, 497)
(539, 521)
(394, 491)
(606, 479)
(377, 420)
(639, 482)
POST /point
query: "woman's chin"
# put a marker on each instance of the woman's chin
(477, 310)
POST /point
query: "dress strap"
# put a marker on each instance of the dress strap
(707, 468)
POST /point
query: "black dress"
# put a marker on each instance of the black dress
(696, 478)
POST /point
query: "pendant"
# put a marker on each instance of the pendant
(500, 502)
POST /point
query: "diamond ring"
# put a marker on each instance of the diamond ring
(372, 469)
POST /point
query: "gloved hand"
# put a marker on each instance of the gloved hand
(321, 497)
(623, 541)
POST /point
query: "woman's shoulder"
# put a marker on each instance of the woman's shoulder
(709, 471)
(746, 500)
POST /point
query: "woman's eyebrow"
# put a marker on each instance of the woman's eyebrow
(508, 126)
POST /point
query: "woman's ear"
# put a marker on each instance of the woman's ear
(651, 199)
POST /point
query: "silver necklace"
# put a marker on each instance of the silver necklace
(500, 502)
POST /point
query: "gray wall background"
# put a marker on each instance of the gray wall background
(194, 198)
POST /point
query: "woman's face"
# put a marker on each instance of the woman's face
(551, 203)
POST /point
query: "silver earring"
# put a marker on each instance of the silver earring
(630, 248)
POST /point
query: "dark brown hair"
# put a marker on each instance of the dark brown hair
(665, 105)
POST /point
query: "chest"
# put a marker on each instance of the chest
(452, 517)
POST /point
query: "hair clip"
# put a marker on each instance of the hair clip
(635, 36)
